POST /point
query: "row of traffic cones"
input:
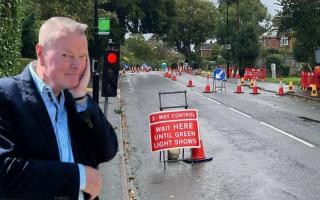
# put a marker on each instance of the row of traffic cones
(253, 85)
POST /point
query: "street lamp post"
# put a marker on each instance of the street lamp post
(228, 45)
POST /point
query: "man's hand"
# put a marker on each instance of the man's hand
(81, 89)
(93, 182)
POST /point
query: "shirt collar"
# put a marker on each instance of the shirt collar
(41, 86)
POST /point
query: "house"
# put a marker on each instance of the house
(275, 39)
(206, 49)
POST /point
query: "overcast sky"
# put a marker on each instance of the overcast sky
(270, 4)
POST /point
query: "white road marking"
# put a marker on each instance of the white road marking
(241, 113)
(206, 97)
(287, 134)
(195, 92)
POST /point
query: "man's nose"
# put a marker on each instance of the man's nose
(76, 62)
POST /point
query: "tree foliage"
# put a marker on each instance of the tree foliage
(302, 18)
(193, 24)
(137, 50)
(142, 16)
(243, 29)
(10, 25)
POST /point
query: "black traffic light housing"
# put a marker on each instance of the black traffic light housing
(111, 67)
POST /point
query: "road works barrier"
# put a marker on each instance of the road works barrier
(176, 129)
(257, 74)
(310, 78)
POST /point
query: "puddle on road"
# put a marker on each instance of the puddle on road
(306, 119)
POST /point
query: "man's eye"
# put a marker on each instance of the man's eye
(67, 56)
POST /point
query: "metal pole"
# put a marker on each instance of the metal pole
(227, 40)
(95, 68)
(238, 25)
(105, 106)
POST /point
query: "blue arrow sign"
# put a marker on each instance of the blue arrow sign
(218, 74)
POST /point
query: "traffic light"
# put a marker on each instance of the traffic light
(111, 66)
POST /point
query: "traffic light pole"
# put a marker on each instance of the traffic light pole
(95, 67)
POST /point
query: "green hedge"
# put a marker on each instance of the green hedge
(10, 36)
(17, 69)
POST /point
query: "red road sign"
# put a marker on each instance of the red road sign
(174, 129)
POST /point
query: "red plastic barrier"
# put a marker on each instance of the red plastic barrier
(303, 79)
(309, 78)
(247, 73)
(258, 74)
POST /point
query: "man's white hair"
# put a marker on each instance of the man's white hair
(57, 27)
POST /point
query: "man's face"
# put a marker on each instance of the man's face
(65, 61)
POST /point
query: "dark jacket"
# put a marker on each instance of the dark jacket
(30, 167)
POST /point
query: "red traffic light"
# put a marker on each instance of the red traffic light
(112, 58)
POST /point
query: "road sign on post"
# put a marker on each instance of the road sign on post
(103, 26)
(218, 74)
(174, 129)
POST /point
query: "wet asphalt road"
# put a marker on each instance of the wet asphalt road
(264, 147)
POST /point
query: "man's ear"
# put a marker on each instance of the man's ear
(40, 54)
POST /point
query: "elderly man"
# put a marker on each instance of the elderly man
(52, 135)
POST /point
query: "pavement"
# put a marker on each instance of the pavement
(274, 87)
(114, 179)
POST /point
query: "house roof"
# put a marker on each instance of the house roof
(206, 47)
(270, 34)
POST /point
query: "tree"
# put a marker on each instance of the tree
(244, 29)
(302, 18)
(194, 23)
(137, 50)
(137, 45)
(142, 16)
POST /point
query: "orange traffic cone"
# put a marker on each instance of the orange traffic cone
(237, 74)
(207, 87)
(255, 88)
(169, 74)
(190, 83)
(280, 91)
(238, 90)
(166, 74)
(174, 76)
(197, 155)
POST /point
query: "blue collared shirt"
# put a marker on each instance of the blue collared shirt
(59, 120)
